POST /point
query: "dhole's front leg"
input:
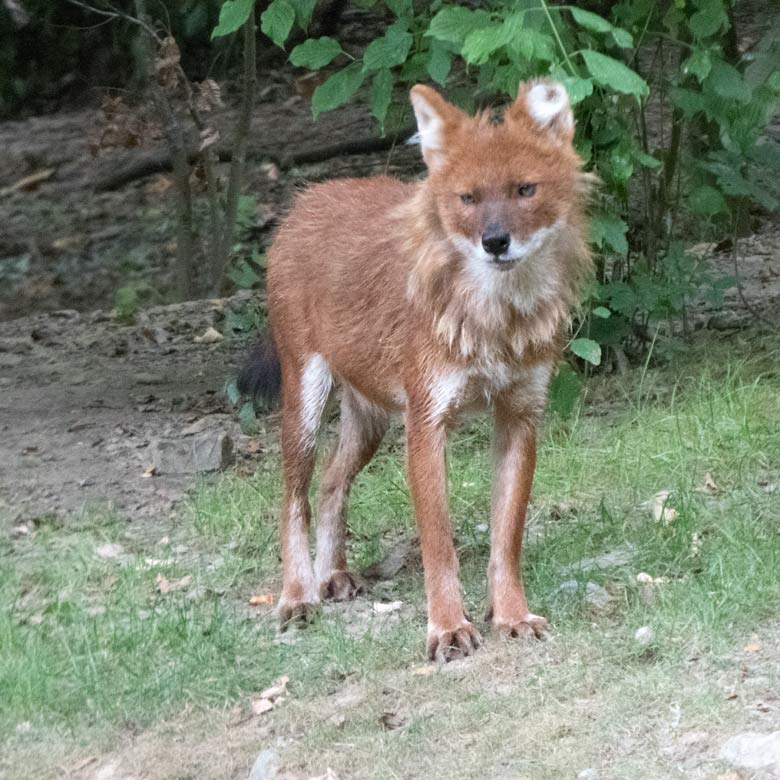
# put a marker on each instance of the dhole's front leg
(450, 633)
(515, 460)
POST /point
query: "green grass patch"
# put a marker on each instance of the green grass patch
(88, 644)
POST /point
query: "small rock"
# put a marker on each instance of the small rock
(383, 608)
(482, 528)
(753, 751)
(596, 596)
(622, 556)
(145, 378)
(264, 767)
(570, 586)
(211, 336)
(587, 774)
(205, 452)
(644, 635)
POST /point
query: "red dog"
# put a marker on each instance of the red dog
(432, 298)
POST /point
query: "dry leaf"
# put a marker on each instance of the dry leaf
(109, 550)
(262, 598)
(164, 585)
(279, 688)
(661, 511)
(753, 646)
(211, 336)
(160, 185)
(35, 620)
(29, 183)
(709, 487)
(643, 578)
(208, 95)
(164, 540)
(149, 472)
(166, 63)
(259, 706)
(424, 671)
(271, 171)
(208, 137)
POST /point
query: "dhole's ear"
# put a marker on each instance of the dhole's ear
(434, 116)
(547, 105)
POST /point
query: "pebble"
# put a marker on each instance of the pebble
(644, 635)
(264, 767)
(753, 751)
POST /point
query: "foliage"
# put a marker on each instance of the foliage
(660, 183)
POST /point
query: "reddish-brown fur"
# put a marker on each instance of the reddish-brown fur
(370, 291)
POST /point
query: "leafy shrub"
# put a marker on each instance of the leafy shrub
(668, 116)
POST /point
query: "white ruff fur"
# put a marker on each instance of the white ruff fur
(316, 386)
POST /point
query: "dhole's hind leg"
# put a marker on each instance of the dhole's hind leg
(363, 426)
(306, 391)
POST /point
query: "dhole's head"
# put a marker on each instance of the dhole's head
(502, 190)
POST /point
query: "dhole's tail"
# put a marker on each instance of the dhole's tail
(261, 375)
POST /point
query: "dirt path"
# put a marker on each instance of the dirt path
(82, 401)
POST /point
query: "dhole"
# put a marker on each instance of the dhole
(449, 294)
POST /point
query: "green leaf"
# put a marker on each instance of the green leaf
(440, 61)
(602, 312)
(338, 89)
(401, 8)
(590, 21)
(303, 12)
(646, 159)
(611, 73)
(315, 53)
(248, 419)
(232, 393)
(480, 44)
(534, 45)
(587, 349)
(623, 38)
(699, 64)
(381, 95)
(709, 19)
(455, 23)
(706, 200)
(389, 50)
(565, 391)
(610, 229)
(578, 89)
(232, 15)
(727, 82)
(277, 21)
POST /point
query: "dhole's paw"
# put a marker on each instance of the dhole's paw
(528, 626)
(341, 586)
(292, 611)
(450, 644)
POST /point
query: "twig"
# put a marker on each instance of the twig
(238, 161)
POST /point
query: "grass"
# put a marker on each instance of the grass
(91, 652)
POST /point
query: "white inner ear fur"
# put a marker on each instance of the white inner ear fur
(429, 125)
(549, 102)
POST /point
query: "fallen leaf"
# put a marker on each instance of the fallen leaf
(709, 484)
(149, 472)
(35, 620)
(209, 95)
(661, 511)
(271, 171)
(259, 706)
(753, 646)
(424, 671)
(208, 137)
(643, 578)
(262, 598)
(164, 585)
(160, 185)
(211, 336)
(164, 540)
(279, 688)
(29, 183)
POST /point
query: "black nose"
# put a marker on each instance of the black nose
(495, 242)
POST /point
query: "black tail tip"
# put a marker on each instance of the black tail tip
(261, 375)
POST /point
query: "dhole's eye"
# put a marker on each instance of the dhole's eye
(468, 198)
(526, 190)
